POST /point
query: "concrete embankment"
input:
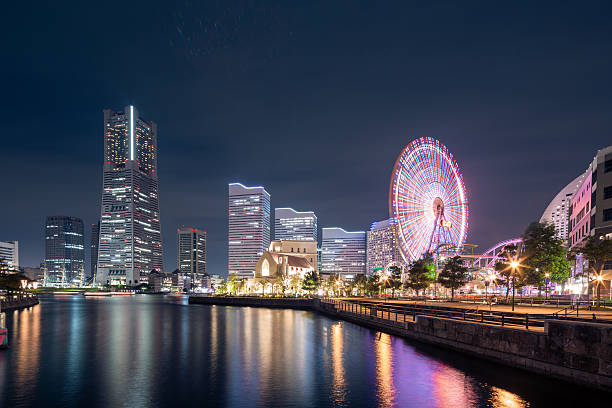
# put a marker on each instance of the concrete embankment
(252, 301)
(579, 352)
(15, 304)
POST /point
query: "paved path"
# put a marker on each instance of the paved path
(498, 308)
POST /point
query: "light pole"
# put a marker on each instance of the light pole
(599, 281)
(513, 265)
(547, 275)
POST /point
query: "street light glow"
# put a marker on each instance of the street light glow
(514, 264)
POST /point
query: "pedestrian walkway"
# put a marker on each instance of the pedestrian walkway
(518, 308)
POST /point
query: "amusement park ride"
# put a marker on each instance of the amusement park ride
(428, 203)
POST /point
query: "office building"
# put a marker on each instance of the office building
(343, 252)
(64, 251)
(382, 248)
(9, 256)
(249, 228)
(294, 225)
(93, 247)
(191, 254)
(130, 244)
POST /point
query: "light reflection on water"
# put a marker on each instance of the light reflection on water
(156, 351)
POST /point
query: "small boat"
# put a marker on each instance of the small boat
(96, 293)
(177, 294)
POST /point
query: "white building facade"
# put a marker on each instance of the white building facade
(248, 228)
(9, 254)
(557, 212)
(343, 252)
(290, 224)
(382, 248)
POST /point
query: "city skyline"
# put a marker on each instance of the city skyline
(511, 102)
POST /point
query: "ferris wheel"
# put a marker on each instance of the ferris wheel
(427, 199)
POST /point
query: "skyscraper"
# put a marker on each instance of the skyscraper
(343, 252)
(382, 249)
(64, 251)
(130, 244)
(93, 247)
(249, 228)
(294, 225)
(191, 255)
(9, 255)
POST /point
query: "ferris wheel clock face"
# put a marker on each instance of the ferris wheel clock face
(427, 199)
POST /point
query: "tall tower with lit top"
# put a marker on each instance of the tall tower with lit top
(130, 243)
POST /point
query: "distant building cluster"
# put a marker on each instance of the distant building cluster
(296, 248)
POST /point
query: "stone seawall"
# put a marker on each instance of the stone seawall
(579, 352)
(248, 301)
(8, 305)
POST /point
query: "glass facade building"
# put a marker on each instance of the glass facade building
(343, 252)
(294, 225)
(130, 243)
(93, 247)
(249, 228)
(191, 253)
(64, 251)
(382, 248)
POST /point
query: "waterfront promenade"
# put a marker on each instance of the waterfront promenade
(17, 300)
(523, 308)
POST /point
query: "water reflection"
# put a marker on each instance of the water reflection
(384, 370)
(26, 325)
(338, 394)
(504, 399)
(155, 351)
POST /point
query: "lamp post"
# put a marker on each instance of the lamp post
(599, 282)
(547, 275)
(513, 265)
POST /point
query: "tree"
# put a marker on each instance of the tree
(395, 279)
(543, 254)
(597, 250)
(311, 282)
(232, 283)
(453, 275)
(419, 274)
(372, 284)
(360, 282)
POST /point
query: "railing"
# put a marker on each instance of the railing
(12, 298)
(404, 313)
(519, 300)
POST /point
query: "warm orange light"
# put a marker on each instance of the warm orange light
(514, 264)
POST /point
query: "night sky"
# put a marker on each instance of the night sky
(314, 100)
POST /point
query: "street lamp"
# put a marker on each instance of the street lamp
(513, 264)
(599, 282)
(547, 275)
